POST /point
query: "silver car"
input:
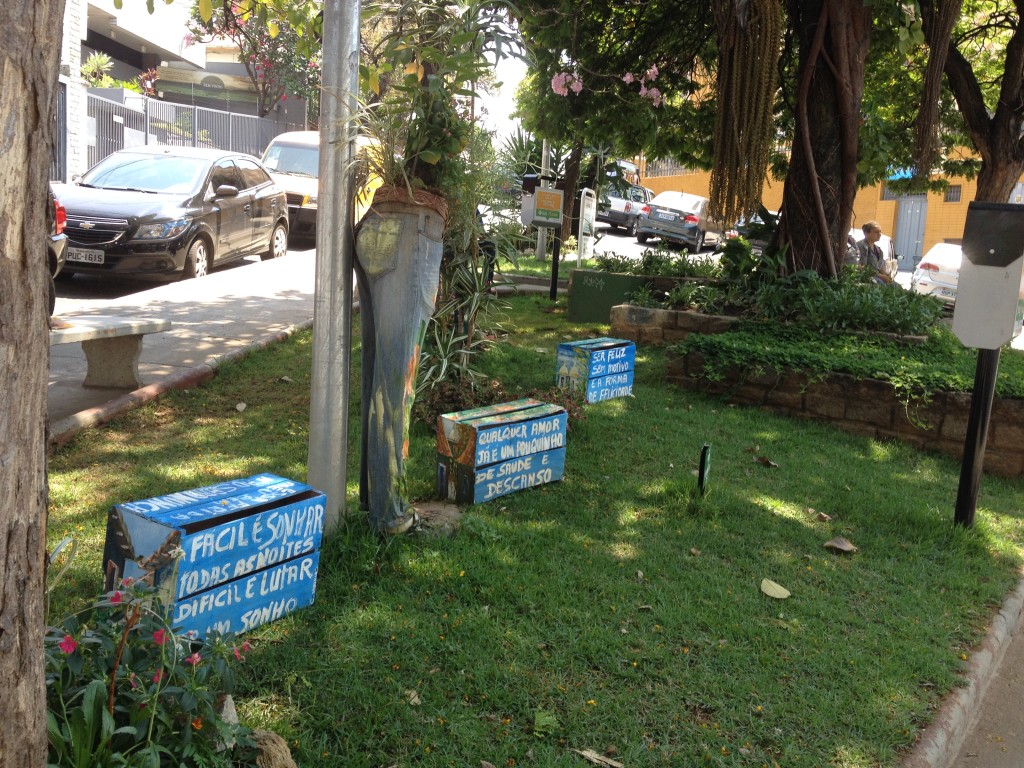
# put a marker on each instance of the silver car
(938, 272)
(677, 217)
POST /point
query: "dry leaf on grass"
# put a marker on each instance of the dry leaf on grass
(694, 551)
(823, 518)
(485, 764)
(753, 449)
(840, 544)
(772, 589)
(413, 698)
(593, 757)
(766, 461)
(240, 407)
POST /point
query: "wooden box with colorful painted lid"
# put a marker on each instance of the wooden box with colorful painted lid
(225, 557)
(486, 452)
(603, 368)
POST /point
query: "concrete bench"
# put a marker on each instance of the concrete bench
(112, 346)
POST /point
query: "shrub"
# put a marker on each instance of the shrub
(660, 262)
(122, 689)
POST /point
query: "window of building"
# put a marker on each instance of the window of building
(953, 193)
(888, 194)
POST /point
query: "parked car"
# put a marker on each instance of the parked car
(677, 217)
(938, 273)
(293, 160)
(164, 212)
(757, 229)
(622, 208)
(892, 265)
(56, 242)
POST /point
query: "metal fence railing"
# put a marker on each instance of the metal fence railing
(142, 120)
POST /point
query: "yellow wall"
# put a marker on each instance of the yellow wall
(944, 221)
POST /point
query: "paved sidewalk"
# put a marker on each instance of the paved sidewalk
(234, 311)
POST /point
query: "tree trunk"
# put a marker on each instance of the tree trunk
(817, 200)
(28, 68)
(571, 182)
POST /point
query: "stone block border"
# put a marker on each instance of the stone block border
(866, 407)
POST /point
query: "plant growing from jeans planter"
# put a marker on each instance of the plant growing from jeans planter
(432, 55)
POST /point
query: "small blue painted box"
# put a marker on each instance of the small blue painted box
(603, 367)
(483, 453)
(225, 557)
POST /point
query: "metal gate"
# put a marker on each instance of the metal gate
(59, 159)
(911, 213)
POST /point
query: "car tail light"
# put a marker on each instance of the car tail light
(927, 265)
(646, 210)
(691, 219)
(60, 216)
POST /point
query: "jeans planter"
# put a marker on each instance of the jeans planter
(398, 249)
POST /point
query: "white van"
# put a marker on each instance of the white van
(293, 159)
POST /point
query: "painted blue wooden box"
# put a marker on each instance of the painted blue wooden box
(602, 367)
(483, 453)
(226, 557)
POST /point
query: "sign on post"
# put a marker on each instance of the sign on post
(588, 219)
(990, 290)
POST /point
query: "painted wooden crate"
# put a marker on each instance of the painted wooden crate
(603, 367)
(483, 453)
(226, 557)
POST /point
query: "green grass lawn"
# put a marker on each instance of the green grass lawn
(614, 610)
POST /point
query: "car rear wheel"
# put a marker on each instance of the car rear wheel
(53, 295)
(197, 262)
(278, 243)
(699, 246)
(641, 238)
(631, 228)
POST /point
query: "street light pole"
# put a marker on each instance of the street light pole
(332, 301)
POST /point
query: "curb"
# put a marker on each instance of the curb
(65, 429)
(941, 741)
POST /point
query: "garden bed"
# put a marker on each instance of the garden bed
(865, 407)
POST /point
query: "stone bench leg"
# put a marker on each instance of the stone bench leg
(113, 362)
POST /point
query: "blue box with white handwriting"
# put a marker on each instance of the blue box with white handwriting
(490, 451)
(603, 368)
(224, 557)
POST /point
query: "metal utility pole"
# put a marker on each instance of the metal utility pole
(332, 301)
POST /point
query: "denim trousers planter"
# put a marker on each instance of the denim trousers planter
(398, 261)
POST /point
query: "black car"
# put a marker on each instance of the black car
(56, 242)
(165, 212)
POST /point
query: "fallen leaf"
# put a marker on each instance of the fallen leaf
(754, 449)
(694, 551)
(286, 379)
(240, 407)
(772, 589)
(485, 764)
(822, 517)
(413, 698)
(593, 757)
(610, 750)
(766, 461)
(646, 608)
(640, 576)
(840, 545)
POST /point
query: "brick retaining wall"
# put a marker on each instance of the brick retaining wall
(658, 326)
(866, 407)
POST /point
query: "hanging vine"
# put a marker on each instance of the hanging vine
(749, 45)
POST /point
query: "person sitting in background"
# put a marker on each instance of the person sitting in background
(870, 255)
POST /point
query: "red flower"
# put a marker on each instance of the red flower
(158, 676)
(194, 659)
(68, 644)
(161, 636)
(116, 598)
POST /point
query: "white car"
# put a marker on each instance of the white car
(938, 272)
(888, 251)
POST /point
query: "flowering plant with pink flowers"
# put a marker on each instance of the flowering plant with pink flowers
(123, 689)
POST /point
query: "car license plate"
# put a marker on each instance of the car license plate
(86, 255)
(947, 292)
(665, 216)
